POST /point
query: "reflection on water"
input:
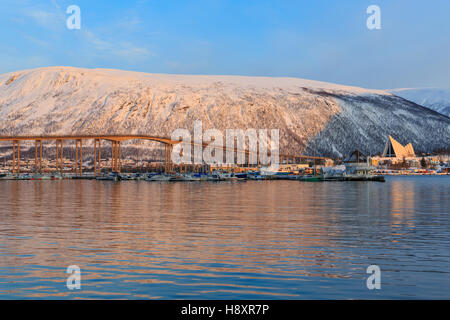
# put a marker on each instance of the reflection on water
(252, 240)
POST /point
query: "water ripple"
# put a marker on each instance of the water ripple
(253, 240)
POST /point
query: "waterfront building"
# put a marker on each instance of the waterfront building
(358, 163)
(394, 149)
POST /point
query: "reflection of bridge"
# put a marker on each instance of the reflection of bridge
(116, 150)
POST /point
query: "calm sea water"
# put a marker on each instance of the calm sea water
(227, 240)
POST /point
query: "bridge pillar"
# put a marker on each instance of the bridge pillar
(95, 156)
(99, 156)
(170, 158)
(14, 156)
(76, 158)
(18, 156)
(35, 155)
(79, 157)
(165, 158)
(59, 155)
(113, 156)
(116, 161)
(168, 166)
(119, 155)
(40, 155)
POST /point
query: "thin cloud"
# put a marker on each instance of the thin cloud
(43, 18)
(37, 41)
(133, 52)
(121, 49)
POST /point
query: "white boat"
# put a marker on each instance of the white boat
(25, 176)
(257, 177)
(159, 177)
(223, 176)
(191, 177)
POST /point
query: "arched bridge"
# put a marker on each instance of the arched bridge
(116, 153)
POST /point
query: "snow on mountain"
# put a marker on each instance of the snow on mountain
(434, 98)
(328, 118)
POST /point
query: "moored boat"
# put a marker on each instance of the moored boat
(112, 176)
(311, 178)
(159, 177)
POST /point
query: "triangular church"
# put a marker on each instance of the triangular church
(393, 148)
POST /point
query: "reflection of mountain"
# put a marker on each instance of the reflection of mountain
(198, 222)
(263, 239)
(434, 98)
(340, 118)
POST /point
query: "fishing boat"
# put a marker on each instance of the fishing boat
(241, 175)
(192, 177)
(112, 176)
(136, 176)
(257, 177)
(311, 178)
(292, 177)
(225, 176)
(25, 176)
(159, 177)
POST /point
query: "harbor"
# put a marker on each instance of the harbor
(96, 165)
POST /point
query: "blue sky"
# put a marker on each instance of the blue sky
(320, 40)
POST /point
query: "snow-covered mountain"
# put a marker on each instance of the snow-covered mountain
(436, 99)
(332, 119)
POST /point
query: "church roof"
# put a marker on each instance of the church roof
(393, 148)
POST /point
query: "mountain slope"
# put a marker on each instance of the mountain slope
(434, 98)
(335, 119)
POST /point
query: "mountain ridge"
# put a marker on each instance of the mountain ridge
(329, 118)
(437, 99)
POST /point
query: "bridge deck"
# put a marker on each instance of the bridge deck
(117, 138)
